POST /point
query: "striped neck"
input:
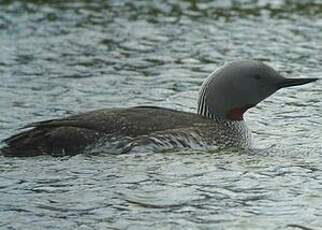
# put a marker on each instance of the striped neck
(203, 109)
(203, 106)
(207, 110)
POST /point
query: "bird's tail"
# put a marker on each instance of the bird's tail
(26, 143)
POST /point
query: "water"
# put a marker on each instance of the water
(62, 58)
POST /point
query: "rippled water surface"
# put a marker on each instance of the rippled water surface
(60, 58)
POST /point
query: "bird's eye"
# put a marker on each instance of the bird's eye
(257, 76)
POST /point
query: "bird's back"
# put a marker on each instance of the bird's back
(72, 134)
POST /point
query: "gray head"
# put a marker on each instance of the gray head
(232, 89)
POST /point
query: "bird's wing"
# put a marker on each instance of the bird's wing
(130, 121)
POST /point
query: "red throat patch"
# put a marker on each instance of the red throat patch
(237, 114)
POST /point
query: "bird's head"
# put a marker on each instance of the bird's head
(238, 86)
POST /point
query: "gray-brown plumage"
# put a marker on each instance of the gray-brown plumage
(73, 134)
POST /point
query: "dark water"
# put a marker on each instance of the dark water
(59, 58)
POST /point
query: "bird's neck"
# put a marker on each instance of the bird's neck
(203, 108)
(204, 111)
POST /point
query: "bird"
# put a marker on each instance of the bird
(225, 96)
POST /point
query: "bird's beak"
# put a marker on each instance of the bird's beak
(288, 82)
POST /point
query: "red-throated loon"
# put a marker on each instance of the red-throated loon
(224, 98)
